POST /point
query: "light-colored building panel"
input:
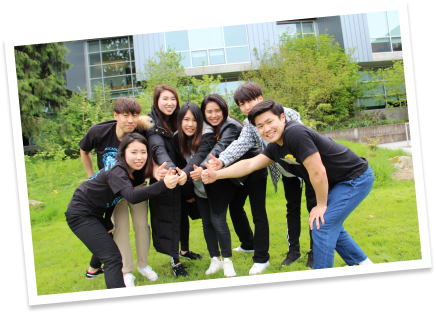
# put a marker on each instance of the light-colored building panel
(146, 46)
(356, 35)
(259, 34)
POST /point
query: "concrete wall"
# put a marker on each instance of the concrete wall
(389, 133)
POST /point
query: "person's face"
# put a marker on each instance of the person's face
(127, 122)
(246, 106)
(213, 113)
(271, 127)
(136, 155)
(167, 102)
(189, 124)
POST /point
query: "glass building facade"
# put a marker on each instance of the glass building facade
(210, 46)
(111, 62)
(305, 28)
(384, 31)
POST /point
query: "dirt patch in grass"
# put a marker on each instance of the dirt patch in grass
(404, 165)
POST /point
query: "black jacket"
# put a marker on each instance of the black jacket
(165, 210)
(206, 145)
(221, 192)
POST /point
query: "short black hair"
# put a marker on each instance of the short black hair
(247, 92)
(264, 106)
(127, 105)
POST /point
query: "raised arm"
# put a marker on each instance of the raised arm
(206, 145)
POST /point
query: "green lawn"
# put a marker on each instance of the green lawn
(385, 225)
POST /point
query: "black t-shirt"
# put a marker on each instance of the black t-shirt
(108, 187)
(340, 162)
(103, 138)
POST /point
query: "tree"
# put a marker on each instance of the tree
(166, 68)
(311, 74)
(41, 85)
(394, 82)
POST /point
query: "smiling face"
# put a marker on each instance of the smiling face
(271, 127)
(189, 124)
(136, 155)
(213, 113)
(167, 102)
(126, 122)
(246, 106)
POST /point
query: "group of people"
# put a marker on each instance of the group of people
(201, 157)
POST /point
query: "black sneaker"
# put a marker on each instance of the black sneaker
(190, 255)
(291, 257)
(93, 275)
(179, 270)
(309, 259)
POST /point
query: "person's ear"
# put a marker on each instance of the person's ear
(115, 116)
(260, 98)
(282, 117)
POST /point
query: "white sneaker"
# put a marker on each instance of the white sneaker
(239, 249)
(215, 265)
(229, 271)
(258, 268)
(129, 280)
(148, 272)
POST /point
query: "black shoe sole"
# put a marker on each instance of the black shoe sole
(290, 262)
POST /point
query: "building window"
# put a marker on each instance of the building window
(369, 101)
(111, 62)
(384, 31)
(305, 28)
(210, 46)
(229, 85)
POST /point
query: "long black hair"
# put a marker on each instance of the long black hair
(196, 138)
(223, 106)
(147, 170)
(169, 125)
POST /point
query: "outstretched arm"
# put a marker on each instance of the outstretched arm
(239, 169)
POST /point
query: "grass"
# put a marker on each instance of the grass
(385, 226)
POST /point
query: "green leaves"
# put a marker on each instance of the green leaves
(311, 74)
(41, 85)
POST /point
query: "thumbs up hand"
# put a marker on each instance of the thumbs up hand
(182, 176)
(196, 174)
(171, 179)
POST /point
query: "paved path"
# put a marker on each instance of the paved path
(403, 145)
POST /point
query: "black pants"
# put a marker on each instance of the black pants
(184, 227)
(256, 191)
(215, 228)
(293, 190)
(92, 232)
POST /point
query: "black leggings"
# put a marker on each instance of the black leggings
(92, 232)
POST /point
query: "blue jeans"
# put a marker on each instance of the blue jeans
(342, 200)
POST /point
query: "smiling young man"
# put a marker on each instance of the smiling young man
(340, 178)
(105, 139)
(246, 97)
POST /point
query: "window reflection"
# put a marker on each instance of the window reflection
(199, 58)
(115, 56)
(114, 43)
(177, 40)
(238, 54)
(235, 35)
(118, 82)
(216, 56)
(206, 38)
(382, 27)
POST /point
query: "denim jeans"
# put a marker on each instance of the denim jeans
(342, 200)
